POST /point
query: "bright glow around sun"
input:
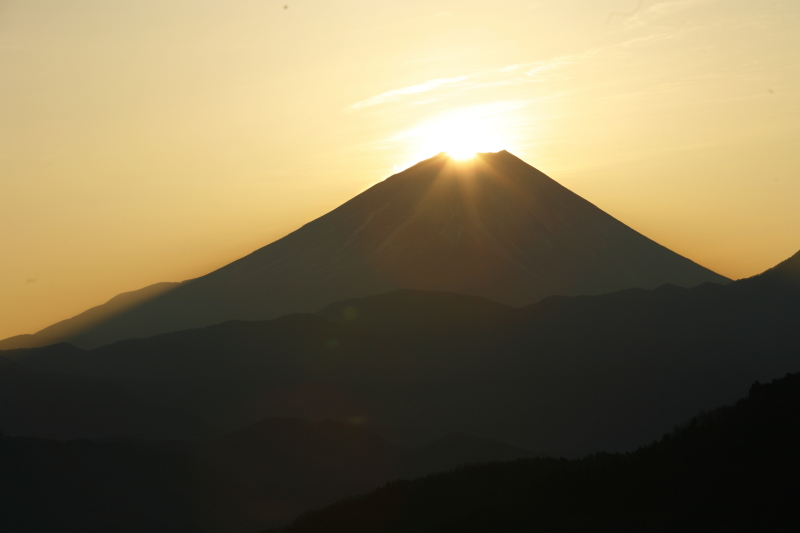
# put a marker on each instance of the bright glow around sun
(462, 136)
(460, 133)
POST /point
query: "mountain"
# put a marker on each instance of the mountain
(260, 476)
(100, 314)
(493, 227)
(58, 406)
(780, 277)
(733, 469)
(331, 459)
(236, 373)
(407, 310)
(569, 375)
(458, 449)
(83, 486)
(302, 464)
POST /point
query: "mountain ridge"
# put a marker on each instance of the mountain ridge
(732, 469)
(493, 227)
(586, 373)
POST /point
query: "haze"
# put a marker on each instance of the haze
(156, 141)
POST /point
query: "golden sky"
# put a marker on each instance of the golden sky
(156, 140)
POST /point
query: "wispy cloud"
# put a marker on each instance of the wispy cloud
(397, 94)
(555, 69)
(548, 73)
(534, 72)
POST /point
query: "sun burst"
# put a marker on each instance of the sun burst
(461, 136)
(460, 133)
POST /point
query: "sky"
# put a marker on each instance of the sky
(157, 140)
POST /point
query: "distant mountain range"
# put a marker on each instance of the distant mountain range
(461, 313)
(733, 469)
(494, 227)
(571, 375)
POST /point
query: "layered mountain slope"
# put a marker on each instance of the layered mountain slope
(408, 310)
(780, 277)
(493, 227)
(734, 469)
(58, 406)
(568, 374)
(260, 476)
(99, 314)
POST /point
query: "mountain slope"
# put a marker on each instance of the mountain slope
(784, 275)
(569, 375)
(90, 318)
(52, 405)
(734, 469)
(236, 373)
(406, 310)
(260, 476)
(493, 227)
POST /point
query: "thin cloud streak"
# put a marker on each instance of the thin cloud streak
(570, 81)
(658, 10)
(397, 94)
(533, 72)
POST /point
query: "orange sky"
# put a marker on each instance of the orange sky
(145, 141)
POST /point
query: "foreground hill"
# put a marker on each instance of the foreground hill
(260, 476)
(566, 375)
(493, 227)
(734, 469)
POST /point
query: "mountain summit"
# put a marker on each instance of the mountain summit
(492, 226)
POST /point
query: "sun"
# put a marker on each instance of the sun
(462, 136)
(462, 154)
(460, 133)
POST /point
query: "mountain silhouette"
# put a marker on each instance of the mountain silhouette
(261, 476)
(90, 318)
(733, 469)
(569, 375)
(783, 276)
(493, 227)
(59, 406)
(408, 309)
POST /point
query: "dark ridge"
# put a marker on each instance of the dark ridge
(733, 469)
(783, 275)
(73, 328)
(263, 475)
(618, 367)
